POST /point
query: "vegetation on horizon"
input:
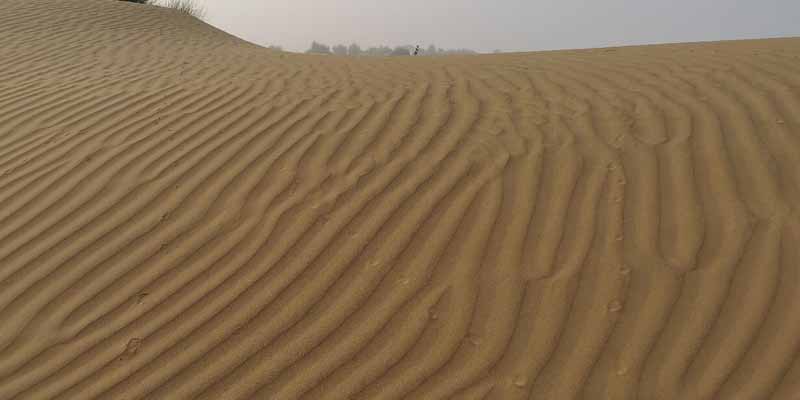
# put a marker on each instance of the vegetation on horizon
(185, 6)
(354, 50)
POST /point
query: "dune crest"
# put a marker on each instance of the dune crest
(186, 215)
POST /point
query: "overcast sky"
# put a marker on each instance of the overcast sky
(509, 25)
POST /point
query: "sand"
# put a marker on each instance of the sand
(184, 215)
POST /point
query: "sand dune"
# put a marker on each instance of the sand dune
(184, 215)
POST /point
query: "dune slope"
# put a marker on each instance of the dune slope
(184, 215)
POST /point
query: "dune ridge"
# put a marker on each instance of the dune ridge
(184, 214)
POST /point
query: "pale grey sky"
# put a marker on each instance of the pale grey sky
(510, 25)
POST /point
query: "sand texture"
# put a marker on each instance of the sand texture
(185, 215)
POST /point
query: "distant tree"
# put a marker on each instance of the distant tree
(401, 51)
(379, 51)
(405, 50)
(319, 48)
(455, 51)
(464, 51)
(340, 50)
(354, 50)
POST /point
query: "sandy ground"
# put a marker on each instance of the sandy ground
(184, 215)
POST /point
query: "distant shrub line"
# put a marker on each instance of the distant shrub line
(355, 50)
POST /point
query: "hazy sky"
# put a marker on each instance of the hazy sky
(511, 25)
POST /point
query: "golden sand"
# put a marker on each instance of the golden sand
(184, 215)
